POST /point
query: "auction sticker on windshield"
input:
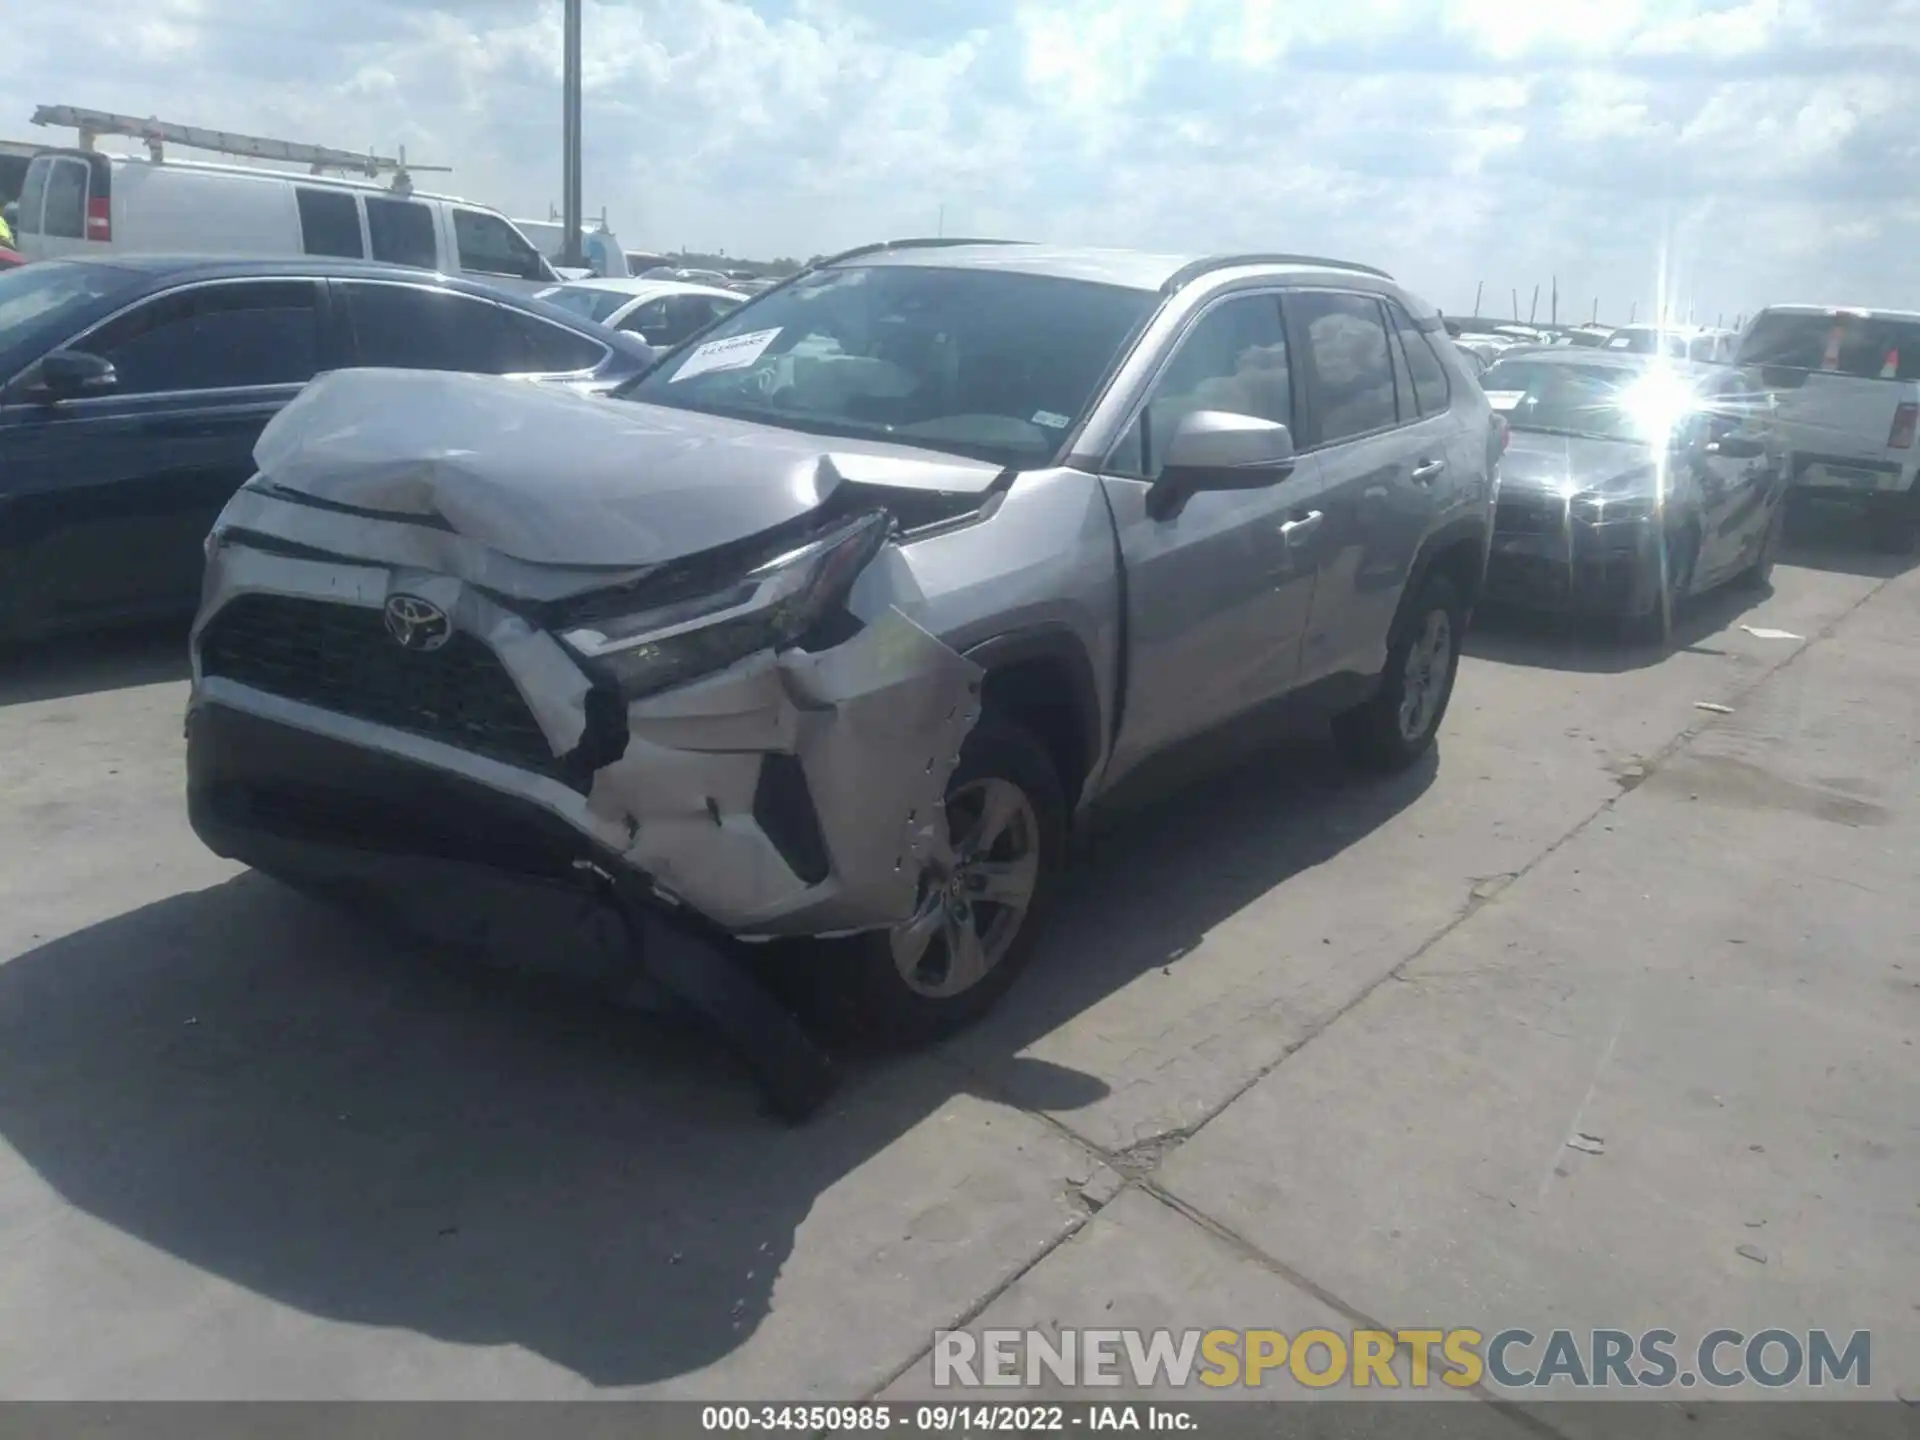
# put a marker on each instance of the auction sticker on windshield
(1505, 399)
(736, 352)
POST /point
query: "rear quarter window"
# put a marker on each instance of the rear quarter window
(1858, 346)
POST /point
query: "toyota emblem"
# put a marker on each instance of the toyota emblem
(417, 624)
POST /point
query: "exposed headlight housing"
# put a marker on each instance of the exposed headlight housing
(772, 605)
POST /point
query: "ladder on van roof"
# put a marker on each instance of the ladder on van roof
(158, 133)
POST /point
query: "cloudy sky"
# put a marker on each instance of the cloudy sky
(1736, 151)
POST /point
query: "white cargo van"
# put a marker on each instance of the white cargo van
(85, 202)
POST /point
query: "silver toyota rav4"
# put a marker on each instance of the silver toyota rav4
(832, 623)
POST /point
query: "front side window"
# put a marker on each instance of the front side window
(402, 232)
(1233, 359)
(488, 245)
(411, 327)
(548, 350)
(214, 337)
(1352, 369)
(989, 363)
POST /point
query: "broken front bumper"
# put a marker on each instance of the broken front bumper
(791, 793)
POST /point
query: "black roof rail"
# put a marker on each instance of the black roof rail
(1193, 270)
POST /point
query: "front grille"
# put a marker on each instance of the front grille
(340, 658)
(1529, 515)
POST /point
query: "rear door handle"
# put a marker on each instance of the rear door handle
(1294, 531)
(1427, 471)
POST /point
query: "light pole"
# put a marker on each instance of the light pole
(570, 202)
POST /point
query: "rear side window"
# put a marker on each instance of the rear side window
(215, 337)
(330, 223)
(1348, 352)
(402, 232)
(66, 214)
(490, 246)
(410, 327)
(1862, 347)
(1430, 389)
(33, 194)
(547, 349)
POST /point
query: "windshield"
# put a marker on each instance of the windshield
(1601, 402)
(978, 362)
(587, 302)
(1860, 346)
(33, 296)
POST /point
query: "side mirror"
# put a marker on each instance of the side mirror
(1219, 450)
(67, 373)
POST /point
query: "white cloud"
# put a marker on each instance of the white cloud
(1741, 148)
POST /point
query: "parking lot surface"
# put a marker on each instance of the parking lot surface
(1299, 1048)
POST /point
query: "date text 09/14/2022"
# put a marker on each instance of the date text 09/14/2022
(958, 1419)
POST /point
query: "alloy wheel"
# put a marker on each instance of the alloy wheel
(974, 900)
(1424, 681)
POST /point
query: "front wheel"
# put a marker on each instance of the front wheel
(972, 931)
(1396, 727)
(1759, 573)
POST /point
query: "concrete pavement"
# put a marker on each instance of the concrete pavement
(1301, 1050)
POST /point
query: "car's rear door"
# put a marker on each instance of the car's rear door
(1216, 597)
(1383, 466)
(1847, 385)
(115, 492)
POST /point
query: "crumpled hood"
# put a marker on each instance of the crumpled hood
(553, 477)
(1572, 465)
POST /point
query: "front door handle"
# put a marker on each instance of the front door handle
(1427, 471)
(1294, 531)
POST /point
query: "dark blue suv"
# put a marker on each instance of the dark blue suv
(132, 391)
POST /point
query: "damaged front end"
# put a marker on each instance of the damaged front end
(395, 655)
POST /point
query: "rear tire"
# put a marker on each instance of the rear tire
(1896, 527)
(1396, 727)
(899, 989)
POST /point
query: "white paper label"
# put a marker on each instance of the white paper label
(736, 352)
(1505, 399)
(1052, 421)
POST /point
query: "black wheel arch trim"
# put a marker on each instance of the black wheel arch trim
(1053, 642)
(1474, 529)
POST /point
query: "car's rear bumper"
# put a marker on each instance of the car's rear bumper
(1582, 570)
(1850, 477)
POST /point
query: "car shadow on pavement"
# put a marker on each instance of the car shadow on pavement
(1838, 540)
(89, 664)
(284, 1098)
(1598, 646)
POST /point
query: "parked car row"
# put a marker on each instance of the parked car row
(826, 612)
(132, 392)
